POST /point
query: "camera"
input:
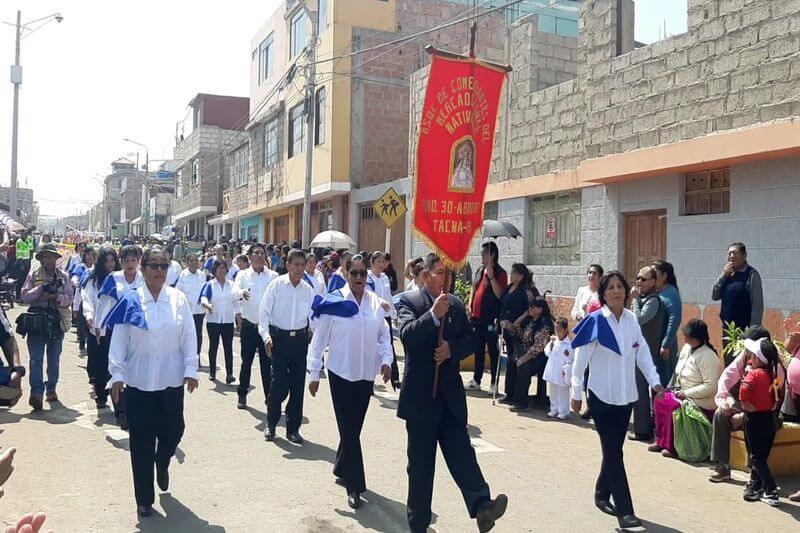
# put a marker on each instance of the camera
(51, 287)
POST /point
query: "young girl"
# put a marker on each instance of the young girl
(758, 394)
(558, 370)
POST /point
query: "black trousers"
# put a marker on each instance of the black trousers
(488, 339)
(252, 343)
(759, 434)
(450, 433)
(350, 403)
(525, 373)
(512, 346)
(153, 417)
(198, 329)
(288, 377)
(91, 354)
(395, 370)
(215, 331)
(23, 267)
(101, 374)
(643, 423)
(611, 422)
(81, 328)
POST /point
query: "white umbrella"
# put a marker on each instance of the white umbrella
(333, 239)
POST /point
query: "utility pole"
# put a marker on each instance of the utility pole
(309, 105)
(16, 79)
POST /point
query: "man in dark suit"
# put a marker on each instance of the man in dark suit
(441, 420)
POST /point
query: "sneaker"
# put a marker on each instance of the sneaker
(721, 473)
(563, 416)
(771, 498)
(654, 448)
(551, 414)
(752, 493)
(795, 497)
(472, 385)
(35, 402)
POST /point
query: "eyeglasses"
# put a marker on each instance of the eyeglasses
(358, 273)
(640, 278)
(159, 266)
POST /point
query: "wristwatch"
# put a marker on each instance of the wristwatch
(19, 370)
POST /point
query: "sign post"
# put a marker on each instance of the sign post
(390, 208)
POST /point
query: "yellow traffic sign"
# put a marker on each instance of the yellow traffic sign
(390, 207)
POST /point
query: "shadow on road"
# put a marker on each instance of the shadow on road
(655, 528)
(56, 414)
(309, 451)
(378, 513)
(177, 518)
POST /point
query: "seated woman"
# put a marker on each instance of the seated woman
(694, 380)
(531, 360)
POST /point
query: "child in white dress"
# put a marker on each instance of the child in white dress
(558, 370)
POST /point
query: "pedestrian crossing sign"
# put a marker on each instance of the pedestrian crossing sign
(390, 207)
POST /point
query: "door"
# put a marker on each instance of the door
(645, 240)
(282, 229)
(371, 231)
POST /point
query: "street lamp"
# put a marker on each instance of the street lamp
(146, 195)
(16, 79)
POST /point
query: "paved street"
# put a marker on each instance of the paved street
(75, 466)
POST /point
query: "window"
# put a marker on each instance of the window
(299, 33)
(240, 166)
(270, 144)
(195, 171)
(707, 192)
(296, 130)
(554, 230)
(319, 116)
(322, 212)
(179, 183)
(266, 60)
(323, 15)
(490, 211)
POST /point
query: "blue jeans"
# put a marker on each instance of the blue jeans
(36, 350)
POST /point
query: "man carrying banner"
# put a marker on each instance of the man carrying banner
(456, 138)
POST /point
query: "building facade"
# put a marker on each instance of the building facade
(671, 150)
(201, 173)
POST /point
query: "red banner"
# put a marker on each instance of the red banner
(454, 152)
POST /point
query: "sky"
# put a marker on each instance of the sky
(115, 69)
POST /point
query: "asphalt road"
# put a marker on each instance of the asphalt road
(74, 465)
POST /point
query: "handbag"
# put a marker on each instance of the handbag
(692, 433)
(41, 321)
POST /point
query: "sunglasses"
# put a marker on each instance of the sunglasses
(358, 273)
(159, 266)
(640, 278)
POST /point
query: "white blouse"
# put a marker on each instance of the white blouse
(612, 377)
(358, 345)
(383, 288)
(162, 355)
(191, 285)
(222, 301)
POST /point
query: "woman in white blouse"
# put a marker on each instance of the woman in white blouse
(379, 283)
(217, 298)
(190, 283)
(588, 293)
(153, 355)
(610, 343)
(352, 325)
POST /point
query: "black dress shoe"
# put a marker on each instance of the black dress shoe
(586, 415)
(269, 433)
(605, 506)
(490, 512)
(229, 380)
(162, 478)
(354, 500)
(640, 437)
(520, 409)
(506, 400)
(212, 377)
(122, 421)
(294, 438)
(242, 404)
(629, 521)
(144, 510)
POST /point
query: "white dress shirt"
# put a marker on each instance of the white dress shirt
(173, 273)
(383, 288)
(285, 306)
(222, 300)
(358, 345)
(162, 355)
(90, 303)
(191, 285)
(256, 283)
(612, 377)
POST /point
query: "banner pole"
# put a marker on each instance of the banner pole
(440, 341)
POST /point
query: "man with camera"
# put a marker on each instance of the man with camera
(49, 292)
